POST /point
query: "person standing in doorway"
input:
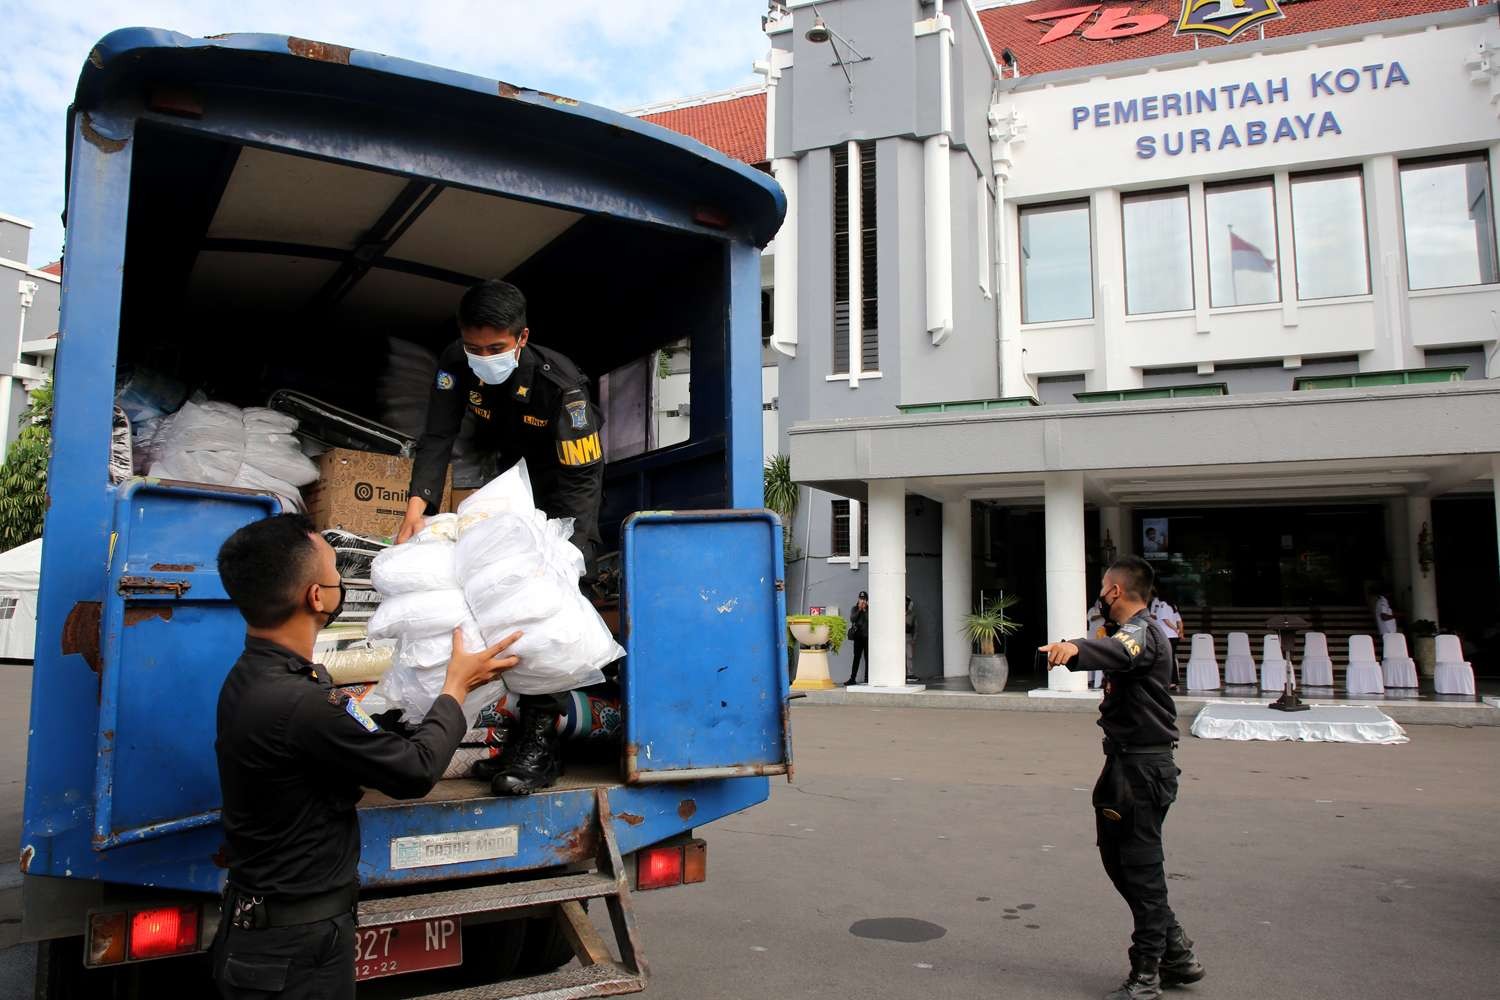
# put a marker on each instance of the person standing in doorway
(911, 638)
(1139, 780)
(1385, 615)
(1170, 622)
(859, 638)
(1098, 628)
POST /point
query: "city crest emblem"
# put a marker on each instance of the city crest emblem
(1225, 18)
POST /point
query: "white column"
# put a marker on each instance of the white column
(1067, 588)
(1423, 585)
(958, 584)
(784, 263)
(1112, 527)
(887, 510)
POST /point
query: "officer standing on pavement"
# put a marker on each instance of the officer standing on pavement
(1139, 780)
(528, 402)
(294, 756)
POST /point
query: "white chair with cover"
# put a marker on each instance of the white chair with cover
(1399, 669)
(1273, 665)
(1203, 665)
(1317, 665)
(1239, 664)
(1363, 676)
(1453, 674)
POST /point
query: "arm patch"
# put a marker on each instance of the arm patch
(1128, 636)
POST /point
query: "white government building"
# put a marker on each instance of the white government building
(1244, 297)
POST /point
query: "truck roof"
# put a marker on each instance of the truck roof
(125, 59)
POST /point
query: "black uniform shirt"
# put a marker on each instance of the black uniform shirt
(294, 757)
(1137, 709)
(542, 413)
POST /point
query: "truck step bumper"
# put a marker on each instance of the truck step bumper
(604, 980)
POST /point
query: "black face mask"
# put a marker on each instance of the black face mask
(333, 615)
(1104, 606)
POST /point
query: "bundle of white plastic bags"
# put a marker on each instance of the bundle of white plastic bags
(497, 566)
(221, 444)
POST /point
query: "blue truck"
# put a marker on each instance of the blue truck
(254, 213)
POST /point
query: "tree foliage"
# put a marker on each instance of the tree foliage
(23, 477)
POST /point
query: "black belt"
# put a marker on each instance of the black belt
(1111, 747)
(251, 912)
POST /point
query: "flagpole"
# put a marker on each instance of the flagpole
(1234, 281)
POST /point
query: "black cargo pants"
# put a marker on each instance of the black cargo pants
(1138, 789)
(302, 962)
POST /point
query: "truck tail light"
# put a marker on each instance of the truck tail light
(659, 867)
(163, 930)
(106, 942)
(694, 862)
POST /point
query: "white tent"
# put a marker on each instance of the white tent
(20, 572)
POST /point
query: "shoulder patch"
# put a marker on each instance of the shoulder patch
(358, 715)
(578, 413)
(582, 451)
(476, 397)
(444, 379)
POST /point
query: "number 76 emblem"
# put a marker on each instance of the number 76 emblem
(1224, 18)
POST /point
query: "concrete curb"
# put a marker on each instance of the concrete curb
(1408, 713)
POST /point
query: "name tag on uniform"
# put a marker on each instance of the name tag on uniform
(535, 421)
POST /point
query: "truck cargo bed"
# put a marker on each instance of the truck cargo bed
(586, 777)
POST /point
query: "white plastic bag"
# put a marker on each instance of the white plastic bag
(508, 493)
(434, 613)
(416, 567)
(421, 669)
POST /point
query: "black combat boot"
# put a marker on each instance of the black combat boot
(1179, 965)
(531, 761)
(1144, 982)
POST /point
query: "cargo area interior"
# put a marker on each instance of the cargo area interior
(249, 271)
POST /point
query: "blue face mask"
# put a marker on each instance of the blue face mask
(493, 369)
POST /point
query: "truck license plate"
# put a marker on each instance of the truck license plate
(409, 947)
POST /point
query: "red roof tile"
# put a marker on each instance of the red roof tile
(736, 127)
(1008, 27)
(53, 268)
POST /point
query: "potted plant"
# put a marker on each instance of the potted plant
(815, 635)
(988, 628)
(1423, 633)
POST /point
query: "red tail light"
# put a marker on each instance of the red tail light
(161, 931)
(659, 867)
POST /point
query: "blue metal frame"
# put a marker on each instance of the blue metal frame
(635, 171)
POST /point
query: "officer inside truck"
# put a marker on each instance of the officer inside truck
(294, 754)
(529, 402)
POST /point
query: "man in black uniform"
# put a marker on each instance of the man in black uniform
(528, 402)
(1139, 780)
(294, 756)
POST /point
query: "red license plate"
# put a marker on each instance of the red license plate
(410, 947)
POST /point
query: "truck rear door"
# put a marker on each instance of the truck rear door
(705, 677)
(168, 636)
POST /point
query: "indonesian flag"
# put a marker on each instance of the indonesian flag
(1246, 256)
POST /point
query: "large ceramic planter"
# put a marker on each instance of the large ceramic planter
(988, 674)
(1424, 651)
(809, 634)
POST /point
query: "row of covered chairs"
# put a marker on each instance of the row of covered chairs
(1365, 675)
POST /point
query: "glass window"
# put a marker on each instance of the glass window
(647, 404)
(1242, 266)
(840, 540)
(1158, 252)
(1328, 226)
(1450, 235)
(1057, 274)
(7, 607)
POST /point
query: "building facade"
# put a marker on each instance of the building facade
(1116, 288)
(29, 302)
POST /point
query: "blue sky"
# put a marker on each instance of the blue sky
(619, 53)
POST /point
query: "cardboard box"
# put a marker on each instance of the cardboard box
(456, 497)
(362, 492)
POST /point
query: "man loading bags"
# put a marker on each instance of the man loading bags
(531, 403)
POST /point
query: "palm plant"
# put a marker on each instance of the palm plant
(989, 626)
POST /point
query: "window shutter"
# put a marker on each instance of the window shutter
(869, 336)
(840, 542)
(840, 260)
